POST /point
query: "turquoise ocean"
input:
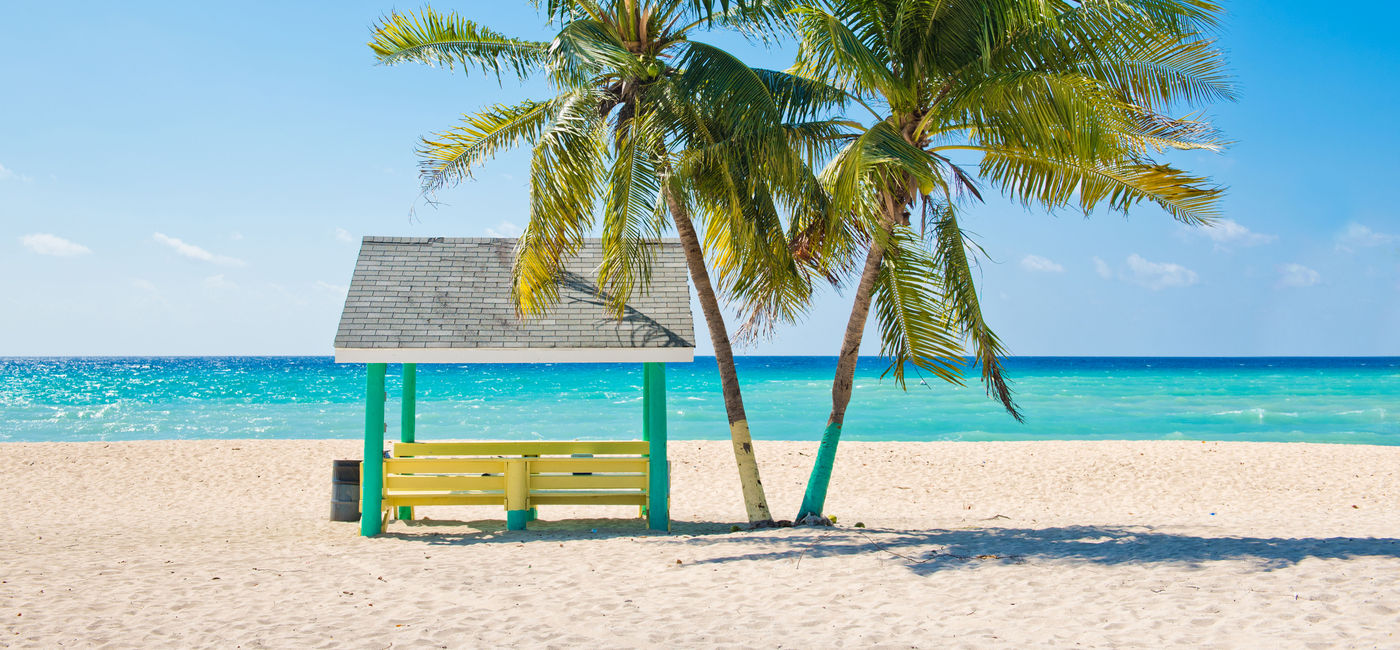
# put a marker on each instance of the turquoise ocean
(1337, 400)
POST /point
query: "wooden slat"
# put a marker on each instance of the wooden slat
(594, 482)
(523, 448)
(596, 465)
(444, 466)
(597, 499)
(430, 483)
(482, 499)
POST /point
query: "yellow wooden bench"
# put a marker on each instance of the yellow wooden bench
(522, 476)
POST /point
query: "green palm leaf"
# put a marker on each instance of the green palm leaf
(566, 175)
(913, 316)
(632, 207)
(960, 293)
(449, 157)
(434, 38)
(1033, 177)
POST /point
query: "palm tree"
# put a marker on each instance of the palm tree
(1059, 103)
(646, 125)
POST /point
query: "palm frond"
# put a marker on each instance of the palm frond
(1036, 178)
(434, 38)
(566, 173)
(960, 292)
(831, 51)
(765, 21)
(448, 158)
(912, 312)
(584, 49)
(632, 211)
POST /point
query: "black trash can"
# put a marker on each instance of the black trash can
(345, 490)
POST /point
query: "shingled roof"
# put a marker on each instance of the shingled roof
(447, 300)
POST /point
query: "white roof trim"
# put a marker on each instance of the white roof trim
(514, 355)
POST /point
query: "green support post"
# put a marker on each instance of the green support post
(646, 412)
(372, 469)
(407, 423)
(654, 431)
(646, 402)
(407, 418)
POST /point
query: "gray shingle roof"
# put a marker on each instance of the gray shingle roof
(454, 294)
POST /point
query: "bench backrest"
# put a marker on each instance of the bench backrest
(552, 466)
(637, 448)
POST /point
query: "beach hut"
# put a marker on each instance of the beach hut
(448, 300)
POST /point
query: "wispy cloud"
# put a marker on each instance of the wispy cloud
(1297, 275)
(336, 289)
(1227, 234)
(344, 235)
(48, 244)
(1102, 268)
(7, 174)
(1040, 264)
(196, 253)
(1356, 236)
(218, 282)
(1159, 275)
(504, 229)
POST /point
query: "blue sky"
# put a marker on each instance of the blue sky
(193, 178)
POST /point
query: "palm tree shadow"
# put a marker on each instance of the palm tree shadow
(930, 551)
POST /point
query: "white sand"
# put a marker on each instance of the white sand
(226, 543)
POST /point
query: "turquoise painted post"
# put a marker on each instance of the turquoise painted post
(815, 498)
(407, 422)
(646, 411)
(408, 418)
(532, 513)
(654, 427)
(646, 401)
(372, 470)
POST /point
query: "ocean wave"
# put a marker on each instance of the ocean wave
(1257, 413)
(1379, 412)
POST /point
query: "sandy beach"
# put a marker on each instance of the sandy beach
(1129, 544)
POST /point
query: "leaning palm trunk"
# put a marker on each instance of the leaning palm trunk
(814, 499)
(755, 503)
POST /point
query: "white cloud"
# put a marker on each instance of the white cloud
(343, 235)
(1356, 236)
(1227, 233)
(7, 174)
(1297, 275)
(218, 282)
(235, 236)
(292, 297)
(331, 288)
(145, 285)
(1040, 264)
(1159, 275)
(1101, 267)
(196, 253)
(504, 229)
(47, 244)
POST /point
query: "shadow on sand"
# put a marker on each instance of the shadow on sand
(929, 551)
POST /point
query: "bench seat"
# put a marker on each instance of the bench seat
(517, 475)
